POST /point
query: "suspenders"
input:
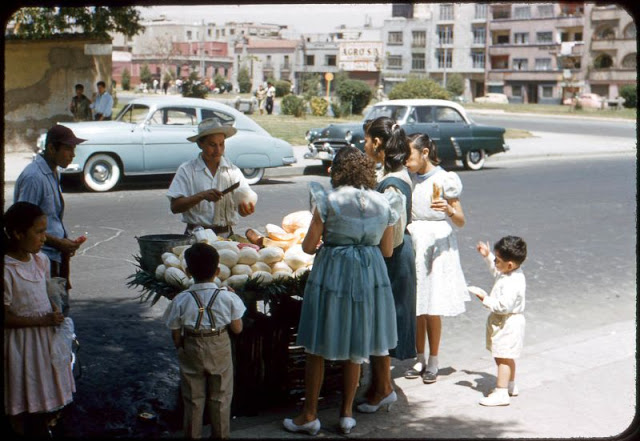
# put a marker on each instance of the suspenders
(201, 310)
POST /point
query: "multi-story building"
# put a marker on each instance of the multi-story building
(536, 50)
(435, 40)
(609, 60)
(265, 59)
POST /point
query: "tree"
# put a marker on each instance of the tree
(455, 84)
(145, 74)
(356, 94)
(418, 88)
(126, 79)
(244, 82)
(40, 23)
(629, 93)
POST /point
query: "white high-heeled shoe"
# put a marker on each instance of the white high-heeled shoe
(311, 428)
(385, 402)
(346, 424)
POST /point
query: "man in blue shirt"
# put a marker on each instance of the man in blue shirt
(39, 183)
(102, 104)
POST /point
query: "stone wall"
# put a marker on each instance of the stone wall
(39, 82)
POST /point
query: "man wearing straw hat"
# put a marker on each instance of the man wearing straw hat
(197, 188)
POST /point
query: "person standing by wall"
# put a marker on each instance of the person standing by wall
(102, 103)
(80, 105)
(271, 95)
(39, 183)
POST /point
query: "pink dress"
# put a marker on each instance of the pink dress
(31, 382)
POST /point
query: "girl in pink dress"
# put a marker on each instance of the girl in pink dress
(34, 388)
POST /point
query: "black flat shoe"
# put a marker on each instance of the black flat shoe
(413, 373)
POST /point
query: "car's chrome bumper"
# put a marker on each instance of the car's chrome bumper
(288, 160)
(505, 147)
(323, 155)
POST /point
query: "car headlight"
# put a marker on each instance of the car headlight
(307, 135)
(348, 136)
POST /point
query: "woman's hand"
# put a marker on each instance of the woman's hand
(246, 208)
(483, 248)
(54, 318)
(442, 206)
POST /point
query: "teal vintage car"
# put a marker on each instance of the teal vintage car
(149, 137)
(456, 136)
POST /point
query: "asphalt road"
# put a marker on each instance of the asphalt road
(578, 217)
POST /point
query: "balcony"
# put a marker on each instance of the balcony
(601, 14)
(612, 75)
(605, 45)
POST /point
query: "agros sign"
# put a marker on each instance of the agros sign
(360, 56)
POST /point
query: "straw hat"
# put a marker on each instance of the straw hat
(212, 126)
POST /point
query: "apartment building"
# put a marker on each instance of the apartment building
(435, 40)
(610, 58)
(265, 58)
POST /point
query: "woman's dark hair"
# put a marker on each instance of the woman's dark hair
(420, 142)
(394, 142)
(512, 248)
(18, 219)
(352, 167)
(202, 261)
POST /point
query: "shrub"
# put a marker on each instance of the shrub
(126, 79)
(293, 105)
(455, 84)
(319, 106)
(282, 88)
(630, 94)
(145, 75)
(244, 82)
(310, 86)
(193, 88)
(418, 88)
(356, 94)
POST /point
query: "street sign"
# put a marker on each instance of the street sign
(328, 76)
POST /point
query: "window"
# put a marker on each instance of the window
(173, 117)
(545, 11)
(547, 91)
(224, 119)
(394, 38)
(522, 12)
(208, 32)
(445, 34)
(417, 62)
(419, 38)
(481, 10)
(629, 61)
(448, 115)
(578, 36)
(446, 11)
(477, 57)
(286, 62)
(572, 9)
(544, 37)
(520, 64)
(310, 60)
(521, 38)
(516, 91)
(501, 12)
(603, 61)
(330, 60)
(135, 113)
(543, 63)
(189, 35)
(479, 34)
(444, 58)
(423, 114)
(630, 31)
(502, 39)
(232, 31)
(500, 62)
(394, 61)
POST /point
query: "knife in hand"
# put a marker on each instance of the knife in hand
(230, 189)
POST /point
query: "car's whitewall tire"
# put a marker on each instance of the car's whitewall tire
(252, 175)
(101, 172)
(474, 159)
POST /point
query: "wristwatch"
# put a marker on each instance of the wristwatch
(453, 212)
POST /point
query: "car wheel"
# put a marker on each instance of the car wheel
(101, 173)
(474, 159)
(253, 175)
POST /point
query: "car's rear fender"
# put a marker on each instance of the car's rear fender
(258, 151)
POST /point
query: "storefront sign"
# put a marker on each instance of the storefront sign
(360, 56)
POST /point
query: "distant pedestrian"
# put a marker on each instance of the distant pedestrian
(506, 322)
(200, 320)
(271, 95)
(102, 103)
(155, 85)
(80, 105)
(35, 388)
(261, 94)
(165, 87)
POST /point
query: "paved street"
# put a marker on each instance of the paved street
(578, 216)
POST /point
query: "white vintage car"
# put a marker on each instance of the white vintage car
(149, 137)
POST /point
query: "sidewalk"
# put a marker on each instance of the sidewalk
(542, 144)
(582, 385)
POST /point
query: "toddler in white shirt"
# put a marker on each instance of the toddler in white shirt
(506, 323)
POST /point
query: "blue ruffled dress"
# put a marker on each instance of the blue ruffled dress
(348, 310)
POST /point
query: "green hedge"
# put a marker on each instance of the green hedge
(293, 105)
(356, 94)
(418, 88)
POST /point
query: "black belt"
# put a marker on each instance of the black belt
(208, 333)
(216, 228)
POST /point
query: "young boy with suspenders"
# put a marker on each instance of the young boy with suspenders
(200, 334)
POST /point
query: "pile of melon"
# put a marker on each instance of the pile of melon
(275, 256)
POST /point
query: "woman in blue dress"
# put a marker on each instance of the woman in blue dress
(348, 310)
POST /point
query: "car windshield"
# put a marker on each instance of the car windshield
(395, 112)
(133, 113)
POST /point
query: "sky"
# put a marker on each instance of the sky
(309, 18)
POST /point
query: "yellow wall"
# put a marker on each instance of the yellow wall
(39, 82)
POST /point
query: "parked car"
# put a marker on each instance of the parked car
(456, 136)
(149, 137)
(587, 100)
(493, 98)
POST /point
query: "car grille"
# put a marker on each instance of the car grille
(321, 146)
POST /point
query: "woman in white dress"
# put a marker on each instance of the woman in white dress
(441, 286)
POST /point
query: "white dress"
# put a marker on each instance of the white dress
(441, 286)
(506, 323)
